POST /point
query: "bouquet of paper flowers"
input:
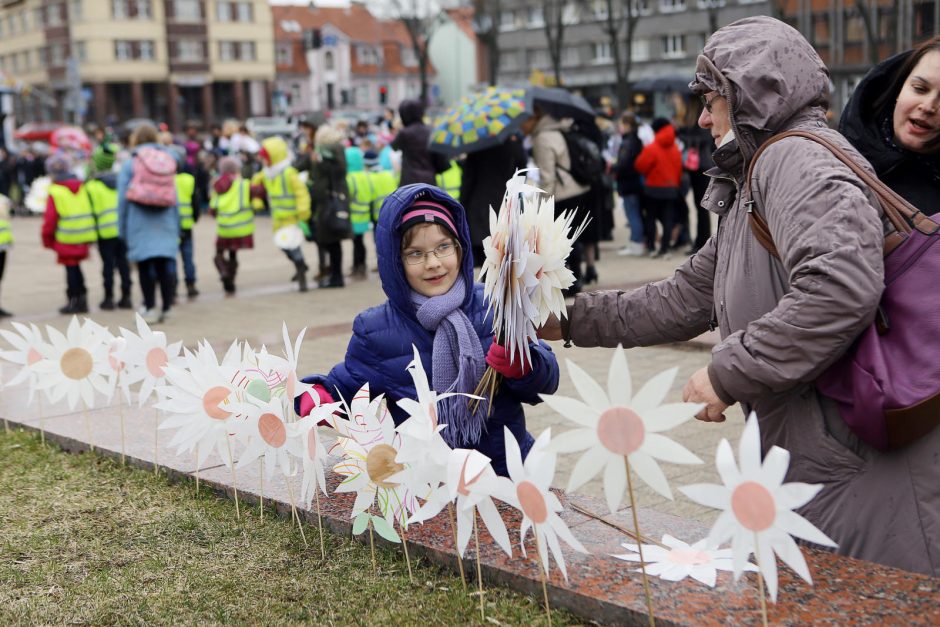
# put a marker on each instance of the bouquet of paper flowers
(524, 272)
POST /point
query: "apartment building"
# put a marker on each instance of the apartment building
(107, 61)
(837, 30)
(341, 59)
(668, 37)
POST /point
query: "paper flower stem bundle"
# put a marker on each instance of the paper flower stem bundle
(524, 272)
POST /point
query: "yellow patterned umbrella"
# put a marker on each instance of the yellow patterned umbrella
(479, 122)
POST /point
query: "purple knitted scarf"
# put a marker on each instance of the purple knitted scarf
(457, 363)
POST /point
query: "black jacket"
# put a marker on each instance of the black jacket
(914, 176)
(328, 178)
(628, 180)
(484, 181)
(418, 165)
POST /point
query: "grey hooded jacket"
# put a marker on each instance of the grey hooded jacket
(783, 322)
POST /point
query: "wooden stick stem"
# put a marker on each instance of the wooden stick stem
(538, 563)
(261, 488)
(293, 509)
(453, 526)
(639, 545)
(124, 453)
(42, 420)
(404, 544)
(197, 468)
(629, 532)
(375, 569)
(156, 440)
(760, 582)
(476, 540)
(316, 496)
(231, 461)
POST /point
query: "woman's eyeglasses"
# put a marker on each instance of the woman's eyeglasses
(708, 102)
(441, 251)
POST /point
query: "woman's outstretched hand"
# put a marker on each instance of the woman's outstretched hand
(699, 389)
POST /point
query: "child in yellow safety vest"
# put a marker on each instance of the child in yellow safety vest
(187, 202)
(69, 228)
(102, 193)
(230, 203)
(361, 196)
(287, 196)
(6, 241)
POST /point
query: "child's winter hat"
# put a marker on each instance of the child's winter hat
(103, 157)
(425, 212)
(60, 162)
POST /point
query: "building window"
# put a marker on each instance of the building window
(223, 11)
(599, 9)
(56, 55)
(40, 18)
(600, 52)
(408, 58)
(640, 49)
(507, 20)
(123, 51)
(187, 10)
(24, 21)
(226, 50)
(120, 9)
(144, 10)
(54, 16)
(284, 53)
(705, 5)
(145, 51)
(570, 56)
(854, 27)
(673, 46)
(243, 9)
(671, 6)
(328, 63)
(81, 52)
(538, 59)
(366, 55)
(246, 51)
(76, 12)
(190, 51)
(820, 29)
(536, 17)
(570, 14)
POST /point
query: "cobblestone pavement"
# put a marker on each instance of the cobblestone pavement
(34, 287)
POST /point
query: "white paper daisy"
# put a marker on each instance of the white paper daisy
(369, 445)
(468, 474)
(77, 365)
(29, 348)
(201, 402)
(146, 354)
(617, 424)
(675, 560)
(264, 433)
(527, 489)
(757, 508)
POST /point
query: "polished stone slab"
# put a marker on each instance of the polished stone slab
(599, 587)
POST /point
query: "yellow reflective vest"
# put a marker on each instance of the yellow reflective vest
(449, 180)
(384, 182)
(185, 186)
(233, 214)
(76, 223)
(104, 201)
(288, 198)
(6, 235)
(360, 200)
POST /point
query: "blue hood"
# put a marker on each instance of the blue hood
(388, 243)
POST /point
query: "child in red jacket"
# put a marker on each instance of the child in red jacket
(68, 228)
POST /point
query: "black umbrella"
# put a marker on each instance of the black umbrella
(559, 103)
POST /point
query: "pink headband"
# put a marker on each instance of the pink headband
(429, 211)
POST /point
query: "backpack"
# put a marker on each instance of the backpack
(152, 183)
(691, 160)
(587, 164)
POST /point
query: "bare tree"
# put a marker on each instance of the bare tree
(421, 19)
(486, 26)
(619, 26)
(554, 18)
(868, 11)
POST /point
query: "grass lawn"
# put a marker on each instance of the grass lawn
(84, 540)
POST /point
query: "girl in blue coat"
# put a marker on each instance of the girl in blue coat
(423, 246)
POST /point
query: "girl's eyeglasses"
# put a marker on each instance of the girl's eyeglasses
(441, 251)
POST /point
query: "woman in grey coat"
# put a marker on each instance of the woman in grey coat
(783, 322)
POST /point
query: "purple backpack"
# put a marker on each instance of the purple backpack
(153, 179)
(887, 385)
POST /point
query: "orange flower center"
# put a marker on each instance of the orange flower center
(211, 401)
(76, 363)
(532, 502)
(272, 430)
(156, 360)
(621, 430)
(754, 506)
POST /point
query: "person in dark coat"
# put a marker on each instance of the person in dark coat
(418, 165)
(893, 119)
(328, 180)
(422, 242)
(484, 181)
(697, 159)
(630, 183)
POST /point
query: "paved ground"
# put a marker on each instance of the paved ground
(34, 287)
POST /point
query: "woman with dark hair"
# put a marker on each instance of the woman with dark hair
(893, 119)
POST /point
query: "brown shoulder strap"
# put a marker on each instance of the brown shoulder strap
(902, 215)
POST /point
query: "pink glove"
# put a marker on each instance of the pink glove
(498, 359)
(308, 402)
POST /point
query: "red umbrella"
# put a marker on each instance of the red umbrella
(70, 138)
(37, 131)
